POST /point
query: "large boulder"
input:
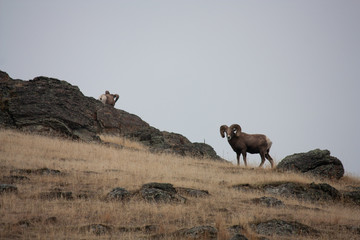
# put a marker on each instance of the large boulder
(316, 162)
(55, 107)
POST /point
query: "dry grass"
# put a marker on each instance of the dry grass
(124, 142)
(96, 169)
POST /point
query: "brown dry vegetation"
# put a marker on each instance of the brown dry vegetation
(95, 169)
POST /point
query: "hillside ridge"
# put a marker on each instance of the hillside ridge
(55, 107)
(53, 188)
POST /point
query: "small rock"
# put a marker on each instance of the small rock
(200, 232)
(51, 220)
(118, 194)
(97, 229)
(243, 187)
(167, 187)
(47, 171)
(8, 188)
(268, 202)
(24, 223)
(353, 197)
(146, 229)
(192, 192)
(56, 194)
(160, 196)
(238, 236)
(236, 229)
(160, 192)
(41, 171)
(14, 179)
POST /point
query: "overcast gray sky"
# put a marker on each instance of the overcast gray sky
(288, 69)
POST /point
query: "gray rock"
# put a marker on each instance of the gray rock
(97, 229)
(190, 192)
(238, 236)
(353, 197)
(283, 228)
(51, 220)
(14, 179)
(145, 229)
(200, 232)
(8, 188)
(236, 229)
(40, 171)
(161, 193)
(307, 192)
(118, 194)
(268, 202)
(56, 194)
(316, 162)
(161, 196)
(167, 187)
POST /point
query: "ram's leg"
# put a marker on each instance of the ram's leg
(238, 158)
(244, 157)
(262, 159)
(268, 157)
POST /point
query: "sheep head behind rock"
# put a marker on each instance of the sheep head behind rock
(243, 143)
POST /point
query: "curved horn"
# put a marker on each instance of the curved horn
(223, 128)
(116, 97)
(237, 128)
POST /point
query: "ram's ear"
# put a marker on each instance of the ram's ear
(223, 129)
(237, 128)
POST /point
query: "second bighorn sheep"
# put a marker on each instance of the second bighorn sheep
(108, 98)
(242, 143)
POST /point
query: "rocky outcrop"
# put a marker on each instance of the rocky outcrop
(198, 232)
(96, 229)
(56, 193)
(353, 197)
(40, 171)
(316, 162)
(55, 107)
(283, 228)
(190, 192)
(157, 193)
(160, 193)
(306, 192)
(8, 188)
(268, 202)
(118, 194)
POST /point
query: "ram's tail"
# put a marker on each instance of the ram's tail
(269, 142)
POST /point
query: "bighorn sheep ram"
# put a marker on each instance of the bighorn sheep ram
(108, 98)
(242, 143)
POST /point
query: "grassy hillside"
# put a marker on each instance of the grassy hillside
(89, 171)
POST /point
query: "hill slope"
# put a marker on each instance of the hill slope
(53, 188)
(56, 107)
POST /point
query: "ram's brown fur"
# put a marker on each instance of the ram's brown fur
(108, 98)
(242, 143)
